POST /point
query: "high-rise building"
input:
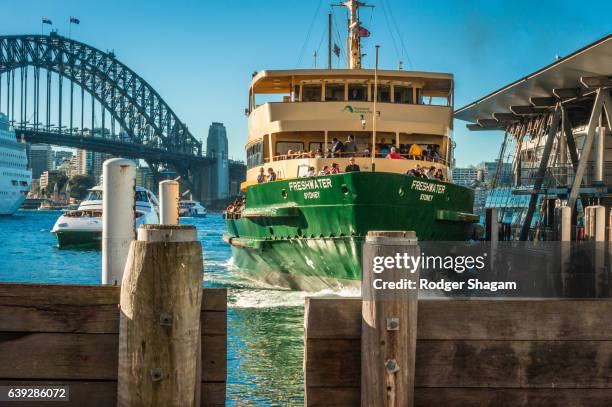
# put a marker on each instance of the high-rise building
(216, 147)
(60, 156)
(465, 176)
(490, 170)
(40, 159)
(145, 178)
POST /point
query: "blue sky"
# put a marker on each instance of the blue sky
(199, 55)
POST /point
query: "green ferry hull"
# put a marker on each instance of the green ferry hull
(308, 233)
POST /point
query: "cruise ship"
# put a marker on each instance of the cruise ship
(15, 177)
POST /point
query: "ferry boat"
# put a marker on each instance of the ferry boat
(342, 152)
(191, 209)
(83, 226)
(15, 177)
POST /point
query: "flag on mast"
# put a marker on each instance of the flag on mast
(45, 20)
(363, 32)
(74, 20)
(337, 50)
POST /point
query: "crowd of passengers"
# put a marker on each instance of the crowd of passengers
(236, 206)
(418, 171)
(337, 148)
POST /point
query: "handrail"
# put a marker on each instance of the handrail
(347, 155)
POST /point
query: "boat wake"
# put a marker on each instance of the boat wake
(244, 292)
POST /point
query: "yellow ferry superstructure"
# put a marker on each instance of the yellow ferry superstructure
(302, 111)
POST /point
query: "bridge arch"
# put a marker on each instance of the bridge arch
(132, 102)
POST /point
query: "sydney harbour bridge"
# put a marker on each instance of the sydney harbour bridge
(62, 92)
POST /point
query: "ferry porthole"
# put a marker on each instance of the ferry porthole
(401, 191)
(344, 189)
(284, 193)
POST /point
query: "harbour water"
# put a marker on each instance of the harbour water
(265, 326)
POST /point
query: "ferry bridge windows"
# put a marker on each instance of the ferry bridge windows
(311, 92)
(383, 93)
(334, 92)
(402, 94)
(255, 155)
(358, 92)
(419, 96)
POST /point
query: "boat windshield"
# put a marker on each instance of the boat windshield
(141, 196)
(94, 196)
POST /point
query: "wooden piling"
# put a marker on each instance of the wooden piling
(389, 321)
(159, 331)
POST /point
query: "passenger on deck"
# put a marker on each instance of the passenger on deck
(352, 167)
(319, 154)
(311, 172)
(350, 146)
(261, 178)
(337, 147)
(334, 169)
(431, 172)
(383, 147)
(417, 172)
(289, 155)
(435, 152)
(324, 171)
(271, 175)
(393, 154)
(439, 174)
(415, 150)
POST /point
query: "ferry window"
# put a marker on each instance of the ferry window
(315, 145)
(384, 93)
(358, 91)
(296, 93)
(282, 147)
(141, 196)
(334, 92)
(311, 93)
(419, 96)
(402, 94)
(255, 155)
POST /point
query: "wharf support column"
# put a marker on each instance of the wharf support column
(159, 329)
(389, 324)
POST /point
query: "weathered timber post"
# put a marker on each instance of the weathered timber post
(389, 322)
(159, 330)
(169, 202)
(118, 218)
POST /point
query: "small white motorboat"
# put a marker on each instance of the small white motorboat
(83, 226)
(191, 209)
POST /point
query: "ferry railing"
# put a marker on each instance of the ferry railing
(348, 155)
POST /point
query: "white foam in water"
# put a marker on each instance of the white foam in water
(273, 298)
(248, 293)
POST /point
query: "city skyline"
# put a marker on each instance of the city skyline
(210, 60)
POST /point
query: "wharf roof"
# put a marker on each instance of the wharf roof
(539, 91)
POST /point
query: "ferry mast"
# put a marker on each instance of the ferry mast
(355, 32)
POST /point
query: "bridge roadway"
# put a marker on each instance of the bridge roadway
(111, 146)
